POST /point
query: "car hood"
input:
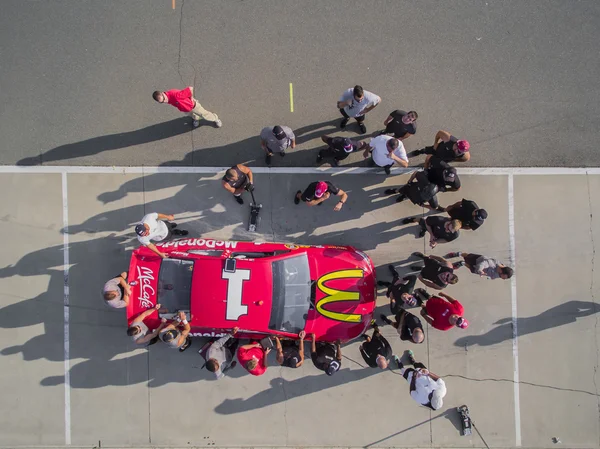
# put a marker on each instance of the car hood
(343, 294)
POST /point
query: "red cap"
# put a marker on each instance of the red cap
(321, 189)
(463, 323)
(463, 146)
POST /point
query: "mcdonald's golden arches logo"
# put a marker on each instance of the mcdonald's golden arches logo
(333, 295)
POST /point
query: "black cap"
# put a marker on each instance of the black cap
(140, 229)
(278, 132)
(481, 214)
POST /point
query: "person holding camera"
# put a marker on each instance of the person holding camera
(253, 358)
(237, 179)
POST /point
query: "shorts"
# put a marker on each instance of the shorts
(471, 259)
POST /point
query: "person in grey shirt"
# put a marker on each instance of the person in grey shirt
(276, 138)
(176, 333)
(139, 332)
(482, 265)
(355, 103)
(117, 291)
(219, 357)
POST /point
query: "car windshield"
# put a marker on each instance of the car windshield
(291, 294)
(175, 284)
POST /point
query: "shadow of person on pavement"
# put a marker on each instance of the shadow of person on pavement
(201, 206)
(283, 390)
(86, 308)
(109, 142)
(559, 315)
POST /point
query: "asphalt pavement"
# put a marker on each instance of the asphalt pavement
(519, 80)
(72, 376)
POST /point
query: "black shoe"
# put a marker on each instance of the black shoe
(319, 157)
(385, 319)
(297, 198)
(421, 295)
(416, 267)
(390, 191)
(363, 129)
(408, 220)
(282, 153)
(344, 122)
(398, 362)
(384, 283)
(173, 225)
(387, 169)
(268, 158)
(418, 152)
(335, 163)
(457, 265)
(400, 198)
(180, 232)
(393, 270)
(418, 254)
(239, 199)
(422, 232)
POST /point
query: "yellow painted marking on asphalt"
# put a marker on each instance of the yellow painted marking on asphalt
(291, 98)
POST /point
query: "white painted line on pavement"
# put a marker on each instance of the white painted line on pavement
(294, 170)
(513, 294)
(65, 203)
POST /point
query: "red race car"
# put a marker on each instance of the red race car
(262, 288)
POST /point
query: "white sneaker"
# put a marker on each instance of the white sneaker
(196, 123)
(218, 123)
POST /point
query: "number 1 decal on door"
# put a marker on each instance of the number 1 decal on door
(235, 308)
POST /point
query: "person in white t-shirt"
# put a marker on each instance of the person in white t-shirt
(157, 227)
(356, 102)
(384, 151)
(426, 388)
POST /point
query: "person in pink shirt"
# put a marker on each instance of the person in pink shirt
(184, 101)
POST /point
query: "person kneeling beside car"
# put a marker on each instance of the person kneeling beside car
(177, 335)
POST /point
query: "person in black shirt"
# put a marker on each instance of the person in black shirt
(442, 174)
(319, 191)
(339, 148)
(441, 229)
(326, 356)
(237, 179)
(376, 350)
(468, 212)
(288, 353)
(448, 148)
(399, 290)
(419, 190)
(401, 124)
(437, 272)
(408, 326)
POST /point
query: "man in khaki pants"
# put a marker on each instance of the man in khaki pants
(184, 101)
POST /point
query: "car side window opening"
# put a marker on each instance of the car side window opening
(291, 294)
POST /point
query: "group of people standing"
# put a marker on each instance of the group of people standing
(440, 310)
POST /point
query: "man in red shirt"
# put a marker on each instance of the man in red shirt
(444, 312)
(184, 101)
(254, 358)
